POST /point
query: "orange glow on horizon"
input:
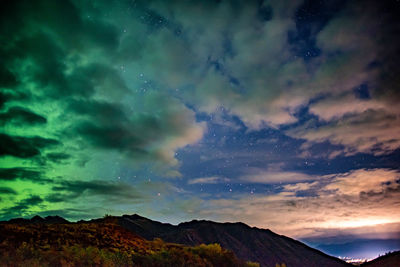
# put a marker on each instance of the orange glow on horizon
(355, 223)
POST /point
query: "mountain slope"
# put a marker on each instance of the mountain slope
(132, 234)
(388, 260)
(248, 243)
(46, 242)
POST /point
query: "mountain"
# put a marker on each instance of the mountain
(389, 260)
(38, 219)
(40, 242)
(248, 243)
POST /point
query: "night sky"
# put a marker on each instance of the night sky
(280, 114)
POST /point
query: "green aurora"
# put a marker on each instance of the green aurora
(247, 111)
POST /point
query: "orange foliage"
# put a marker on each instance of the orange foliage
(99, 244)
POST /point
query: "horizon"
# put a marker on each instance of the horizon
(283, 115)
(367, 253)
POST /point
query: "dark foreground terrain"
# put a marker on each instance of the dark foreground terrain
(132, 240)
(105, 243)
(388, 260)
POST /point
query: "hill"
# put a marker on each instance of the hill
(388, 260)
(50, 242)
(144, 241)
(248, 243)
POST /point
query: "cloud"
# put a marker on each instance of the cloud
(367, 125)
(67, 191)
(154, 133)
(24, 147)
(334, 204)
(83, 83)
(22, 116)
(11, 95)
(7, 174)
(86, 199)
(272, 177)
(229, 65)
(21, 207)
(208, 180)
(371, 132)
(364, 181)
(245, 63)
(298, 187)
(7, 191)
(273, 174)
(328, 108)
(57, 157)
(264, 71)
(260, 80)
(67, 62)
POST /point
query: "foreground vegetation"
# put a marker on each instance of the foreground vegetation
(100, 244)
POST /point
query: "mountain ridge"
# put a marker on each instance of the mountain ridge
(246, 242)
(389, 260)
(102, 243)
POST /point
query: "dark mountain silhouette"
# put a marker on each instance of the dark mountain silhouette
(389, 260)
(247, 243)
(38, 219)
(103, 243)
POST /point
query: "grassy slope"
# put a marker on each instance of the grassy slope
(99, 244)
